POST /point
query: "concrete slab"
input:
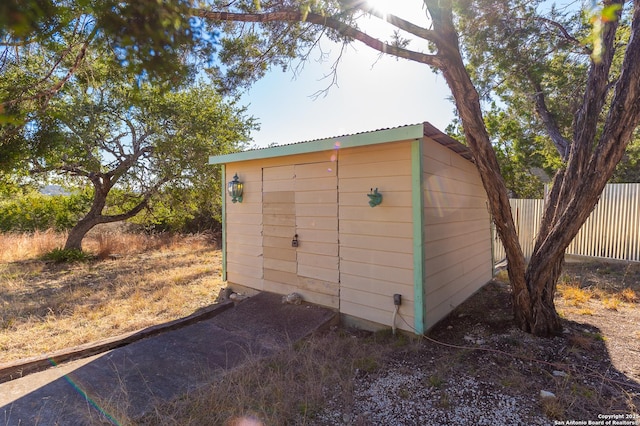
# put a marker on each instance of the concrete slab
(17, 369)
(130, 379)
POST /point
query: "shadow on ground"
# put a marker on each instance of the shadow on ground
(576, 367)
(127, 382)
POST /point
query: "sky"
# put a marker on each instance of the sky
(372, 92)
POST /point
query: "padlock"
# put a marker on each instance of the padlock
(294, 242)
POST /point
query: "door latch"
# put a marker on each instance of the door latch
(294, 242)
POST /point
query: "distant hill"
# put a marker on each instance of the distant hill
(54, 190)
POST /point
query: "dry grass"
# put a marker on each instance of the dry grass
(46, 307)
(22, 246)
(612, 303)
(293, 384)
(553, 408)
(298, 385)
(573, 294)
(581, 341)
(584, 287)
(102, 242)
(629, 295)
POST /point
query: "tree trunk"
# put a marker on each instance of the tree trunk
(78, 232)
(541, 279)
(102, 185)
(534, 286)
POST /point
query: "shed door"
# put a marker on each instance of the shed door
(301, 200)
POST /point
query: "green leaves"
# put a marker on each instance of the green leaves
(248, 51)
(610, 12)
(67, 255)
(148, 37)
(128, 139)
(45, 43)
(24, 19)
(35, 211)
(531, 66)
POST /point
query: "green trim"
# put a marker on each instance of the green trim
(361, 139)
(417, 191)
(492, 232)
(223, 178)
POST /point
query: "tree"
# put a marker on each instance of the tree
(102, 92)
(605, 117)
(44, 43)
(137, 141)
(510, 64)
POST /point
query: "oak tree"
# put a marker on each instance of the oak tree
(104, 94)
(131, 145)
(44, 43)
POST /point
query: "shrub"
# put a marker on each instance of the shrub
(35, 211)
(69, 255)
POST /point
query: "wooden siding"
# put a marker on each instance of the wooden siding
(278, 216)
(376, 253)
(244, 228)
(245, 251)
(351, 256)
(317, 229)
(456, 231)
(301, 199)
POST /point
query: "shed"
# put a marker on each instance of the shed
(305, 224)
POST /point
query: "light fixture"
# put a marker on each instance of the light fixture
(375, 197)
(235, 189)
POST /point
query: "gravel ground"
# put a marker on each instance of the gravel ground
(400, 397)
(484, 371)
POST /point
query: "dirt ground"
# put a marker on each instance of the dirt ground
(475, 367)
(618, 324)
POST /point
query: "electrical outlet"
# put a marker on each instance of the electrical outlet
(397, 299)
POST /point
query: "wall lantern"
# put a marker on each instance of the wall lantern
(375, 197)
(235, 189)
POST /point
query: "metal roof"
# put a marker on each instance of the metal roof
(447, 141)
(412, 131)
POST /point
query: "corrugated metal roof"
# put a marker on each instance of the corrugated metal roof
(445, 140)
(370, 137)
(332, 137)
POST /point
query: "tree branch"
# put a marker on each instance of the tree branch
(137, 208)
(396, 21)
(115, 141)
(125, 165)
(622, 120)
(592, 169)
(562, 145)
(74, 170)
(586, 120)
(126, 215)
(565, 34)
(325, 21)
(333, 74)
(49, 93)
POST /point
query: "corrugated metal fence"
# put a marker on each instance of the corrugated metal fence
(612, 231)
